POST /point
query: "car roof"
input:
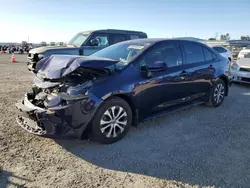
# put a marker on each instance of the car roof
(113, 31)
(156, 40)
(218, 46)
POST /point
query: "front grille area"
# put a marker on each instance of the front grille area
(245, 79)
(245, 69)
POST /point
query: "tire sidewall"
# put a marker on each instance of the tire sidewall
(97, 135)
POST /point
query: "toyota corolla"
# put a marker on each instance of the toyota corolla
(121, 85)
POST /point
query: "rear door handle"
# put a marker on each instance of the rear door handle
(211, 67)
(183, 73)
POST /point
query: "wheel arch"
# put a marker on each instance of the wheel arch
(132, 105)
(135, 117)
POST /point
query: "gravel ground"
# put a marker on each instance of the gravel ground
(198, 147)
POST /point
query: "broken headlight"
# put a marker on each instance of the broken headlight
(79, 89)
(40, 56)
(234, 66)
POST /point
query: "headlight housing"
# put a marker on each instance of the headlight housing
(77, 92)
(79, 89)
(40, 56)
(234, 66)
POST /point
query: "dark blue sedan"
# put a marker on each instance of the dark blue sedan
(121, 85)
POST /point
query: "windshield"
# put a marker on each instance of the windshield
(248, 55)
(78, 39)
(125, 51)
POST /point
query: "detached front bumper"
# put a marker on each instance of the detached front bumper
(32, 60)
(31, 64)
(241, 76)
(61, 120)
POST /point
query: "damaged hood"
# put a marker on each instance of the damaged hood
(244, 62)
(57, 66)
(41, 50)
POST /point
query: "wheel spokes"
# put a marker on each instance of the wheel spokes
(119, 112)
(120, 127)
(104, 128)
(107, 113)
(110, 131)
(219, 93)
(121, 122)
(121, 116)
(103, 122)
(113, 112)
(113, 121)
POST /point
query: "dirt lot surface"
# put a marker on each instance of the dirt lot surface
(198, 147)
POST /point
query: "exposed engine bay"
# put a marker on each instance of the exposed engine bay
(49, 93)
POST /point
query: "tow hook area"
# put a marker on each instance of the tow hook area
(30, 125)
(27, 119)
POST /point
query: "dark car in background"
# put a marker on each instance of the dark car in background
(105, 93)
(84, 43)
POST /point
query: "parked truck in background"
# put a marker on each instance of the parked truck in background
(83, 43)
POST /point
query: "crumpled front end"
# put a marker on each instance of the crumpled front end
(61, 100)
(67, 119)
(50, 114)
(65, 106)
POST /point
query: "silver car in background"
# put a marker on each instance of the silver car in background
(240, 70)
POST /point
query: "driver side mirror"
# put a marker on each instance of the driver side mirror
(157, 66)
(94, 42)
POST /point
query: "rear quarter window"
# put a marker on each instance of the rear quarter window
(220, 49)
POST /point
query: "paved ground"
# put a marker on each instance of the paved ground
(199, 147)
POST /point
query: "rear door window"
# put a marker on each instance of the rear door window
(193, 52)
(134, 37)
(102, 38)
(118, 38)
(220, 49)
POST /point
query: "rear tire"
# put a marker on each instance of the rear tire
(217, 94)
(111, 121)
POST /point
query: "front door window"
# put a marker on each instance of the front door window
(103, 39)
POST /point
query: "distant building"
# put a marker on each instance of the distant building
(241, 43)
(217, 43)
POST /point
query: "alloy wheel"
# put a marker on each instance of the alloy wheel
(113, 121)
(219, 93)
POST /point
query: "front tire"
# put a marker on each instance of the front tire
(217, 94)
(111, 121)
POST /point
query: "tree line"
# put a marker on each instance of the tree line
(227, 37)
